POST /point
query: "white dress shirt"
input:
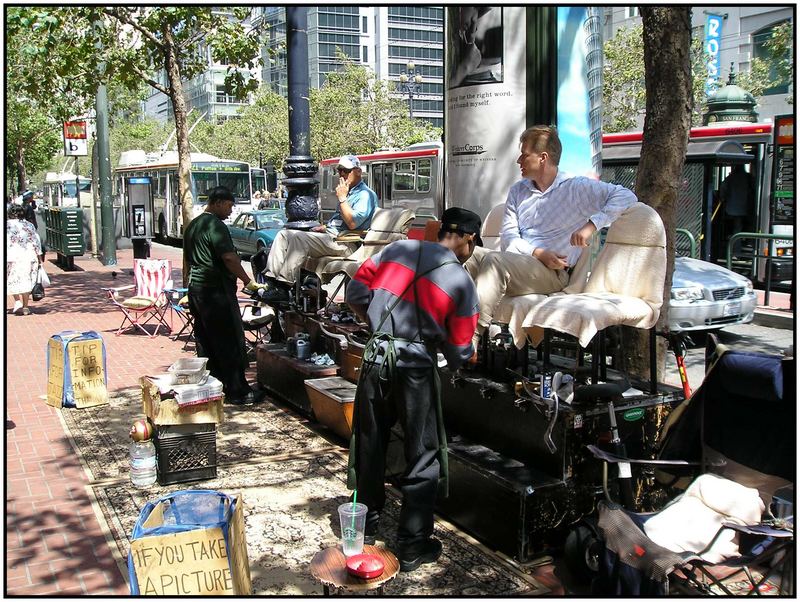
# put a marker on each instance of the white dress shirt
(547, 219)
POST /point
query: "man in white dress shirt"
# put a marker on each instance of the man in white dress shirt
(549, 217)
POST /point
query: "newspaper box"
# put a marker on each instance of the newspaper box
(76, 370)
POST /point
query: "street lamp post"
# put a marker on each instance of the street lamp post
(411, 82)
(301, 206)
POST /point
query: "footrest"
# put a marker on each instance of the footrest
(332, 401)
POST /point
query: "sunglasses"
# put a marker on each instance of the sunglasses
(343, 170)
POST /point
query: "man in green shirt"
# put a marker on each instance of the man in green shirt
(212, 265)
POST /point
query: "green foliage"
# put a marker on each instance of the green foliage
(32, 137)
(352, 113)
(623, 76)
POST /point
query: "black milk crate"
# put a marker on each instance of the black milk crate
(186, 452)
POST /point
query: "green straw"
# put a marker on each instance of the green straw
(353, 519)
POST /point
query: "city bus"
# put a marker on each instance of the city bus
(58, 190)
(712, 153)
(207, 172)
(411, 178)
(258, 178)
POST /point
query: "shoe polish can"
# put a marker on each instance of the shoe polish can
(303, 349)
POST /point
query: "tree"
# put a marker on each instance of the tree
(624, 76)
(69, 50)
(352, 113)
(32, 137)
(668, 89)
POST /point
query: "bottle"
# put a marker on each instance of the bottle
(143, 463)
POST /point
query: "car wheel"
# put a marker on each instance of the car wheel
(582, 551)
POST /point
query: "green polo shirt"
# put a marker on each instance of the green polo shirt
(205, 241)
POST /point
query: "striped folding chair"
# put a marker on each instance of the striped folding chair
(152, 277)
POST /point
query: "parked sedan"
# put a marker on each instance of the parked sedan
(706, 296)
(254, 230)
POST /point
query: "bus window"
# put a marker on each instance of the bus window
(403, 176)
(161, 188)
(238, 183)
(424, 175)
(203, 182)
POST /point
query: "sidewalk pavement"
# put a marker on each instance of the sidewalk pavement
(777, 314)
(54, 544)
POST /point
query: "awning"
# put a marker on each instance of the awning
(725, 151)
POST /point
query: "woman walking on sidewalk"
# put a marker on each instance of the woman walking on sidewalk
(23, 257)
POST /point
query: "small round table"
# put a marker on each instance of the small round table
(328, 566)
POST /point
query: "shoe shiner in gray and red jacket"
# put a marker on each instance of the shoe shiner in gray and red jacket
(417, 299)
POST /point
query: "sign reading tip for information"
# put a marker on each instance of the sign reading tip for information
(75, 139)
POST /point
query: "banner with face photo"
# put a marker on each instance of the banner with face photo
(485, 81)
(509, 68)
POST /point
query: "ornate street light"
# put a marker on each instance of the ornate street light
(410, 82)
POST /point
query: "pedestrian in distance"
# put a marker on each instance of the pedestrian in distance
(29, 206)
(23, 258)
(417, 299)
(211, 267)
(549, 218)
(291, 248)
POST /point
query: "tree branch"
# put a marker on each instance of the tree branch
(125, 17)
(149, 80)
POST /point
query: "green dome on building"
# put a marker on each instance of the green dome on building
(730, 103)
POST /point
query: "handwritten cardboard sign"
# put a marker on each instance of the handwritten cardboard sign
(76, 372)
(192, 563)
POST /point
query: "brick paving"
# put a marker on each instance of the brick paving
(54, 544)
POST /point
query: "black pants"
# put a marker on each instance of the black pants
(410, 400)
(220, 336)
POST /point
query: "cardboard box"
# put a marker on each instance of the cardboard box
(167, 411)
(76, 370)
(193, 563)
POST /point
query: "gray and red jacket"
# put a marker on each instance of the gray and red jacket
(444, 315)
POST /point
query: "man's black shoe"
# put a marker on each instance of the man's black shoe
(426, 553)
(247, 400)
(370, 532)
(276, 295)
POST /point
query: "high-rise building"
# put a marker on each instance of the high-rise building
(733, 35)
(204, 93)
(385, 39)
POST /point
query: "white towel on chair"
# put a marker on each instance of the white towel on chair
(689, 523)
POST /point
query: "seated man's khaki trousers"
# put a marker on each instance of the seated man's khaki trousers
(291, 248)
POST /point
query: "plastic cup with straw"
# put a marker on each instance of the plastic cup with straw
(352, 517)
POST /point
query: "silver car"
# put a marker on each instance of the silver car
(706, 296)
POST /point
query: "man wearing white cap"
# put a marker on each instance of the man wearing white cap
(291, 248)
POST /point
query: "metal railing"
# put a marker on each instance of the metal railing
(755, 255)
(692, 241)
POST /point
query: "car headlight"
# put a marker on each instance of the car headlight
(748, 287)
(692, 293)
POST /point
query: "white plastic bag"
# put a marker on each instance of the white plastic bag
(42, 277)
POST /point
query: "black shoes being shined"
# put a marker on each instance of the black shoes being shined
(277, 293)
(427, 552)
(249, 399)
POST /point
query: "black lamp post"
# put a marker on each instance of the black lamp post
(410, 82)
(301, 204)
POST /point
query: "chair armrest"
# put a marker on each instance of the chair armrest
(351, 236)
(762, 529)
(377, 243)
(118, 288)
(613, 458)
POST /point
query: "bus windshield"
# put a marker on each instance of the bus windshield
(69, 187)
(237, 182)
(259, 178)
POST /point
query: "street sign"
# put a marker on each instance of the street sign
(75, 139)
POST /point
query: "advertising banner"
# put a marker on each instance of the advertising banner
(485, 80)
(712, 47)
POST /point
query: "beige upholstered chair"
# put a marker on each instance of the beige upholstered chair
(624, 287)
(388, 225)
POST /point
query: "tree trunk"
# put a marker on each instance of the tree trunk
(668, 87)
(181, 128)
(22, 175)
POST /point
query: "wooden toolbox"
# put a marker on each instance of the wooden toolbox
(332, 400)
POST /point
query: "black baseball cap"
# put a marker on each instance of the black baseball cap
(456, 219)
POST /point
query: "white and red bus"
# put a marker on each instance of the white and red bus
(411, 178)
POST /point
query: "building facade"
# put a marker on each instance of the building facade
(736, 34)
(385, 39)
